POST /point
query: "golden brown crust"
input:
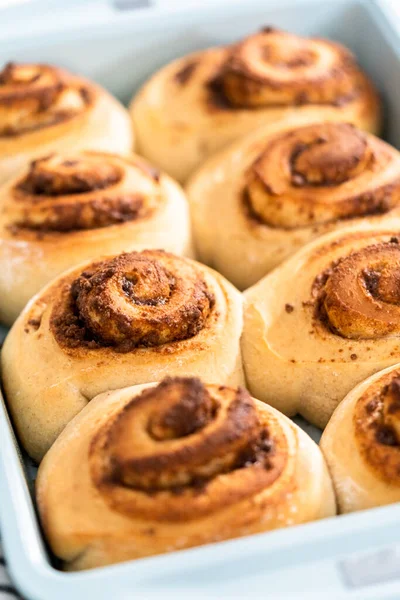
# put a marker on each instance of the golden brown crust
(199, 104)
(355, 296)
(134, 300)
(163, 467)
(358, 296)
(35, 96)
(361, 443)
(182, 481)
(256, 203)
(341, 326)
(377, 427)
(322, 173)
(45, 109)
(275, 68)
(83, 191)
(69, 207)
(110, 323)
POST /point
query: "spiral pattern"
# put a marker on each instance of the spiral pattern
(35, 96)
(137, 299)
(359, 296)
(275, 68)
(183, 440)
(83, 191)
(376, 422)
(319, 174)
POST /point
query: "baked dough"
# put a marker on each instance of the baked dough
(114, 322)
(361, 443)
(67, 208)
(147, 470)
(324, 320)
(200, 103)
(45, 109)
(262, 199)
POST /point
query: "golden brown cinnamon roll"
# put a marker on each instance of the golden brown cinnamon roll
(325, 320)
(68, 208)
(259, 201)
(160, 468)
(45, 109)
(116, 322)
(361, 443)
(200, 103)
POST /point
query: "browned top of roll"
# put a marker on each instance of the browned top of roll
(84, 191)
(276, 68)
(35, 96)
(320, 173)
(139, 299)
(184, 449)
(377, 427)
(358, 296)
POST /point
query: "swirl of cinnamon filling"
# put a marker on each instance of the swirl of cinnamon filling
(376, 421)
(137, 299)
(321, 173)
(276, 68)
(34, 96)
(83, 191)
(182, 441)
(359, 296)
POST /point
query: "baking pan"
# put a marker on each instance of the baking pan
(119, 44)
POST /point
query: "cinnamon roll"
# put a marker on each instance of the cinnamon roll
(361, 443)
(65, 209)
(46, 109)
(325, 320)
(119, 321)
(200, 103)
(259, 201)
(160, 468)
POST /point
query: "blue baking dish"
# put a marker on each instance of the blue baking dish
(119, 44)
